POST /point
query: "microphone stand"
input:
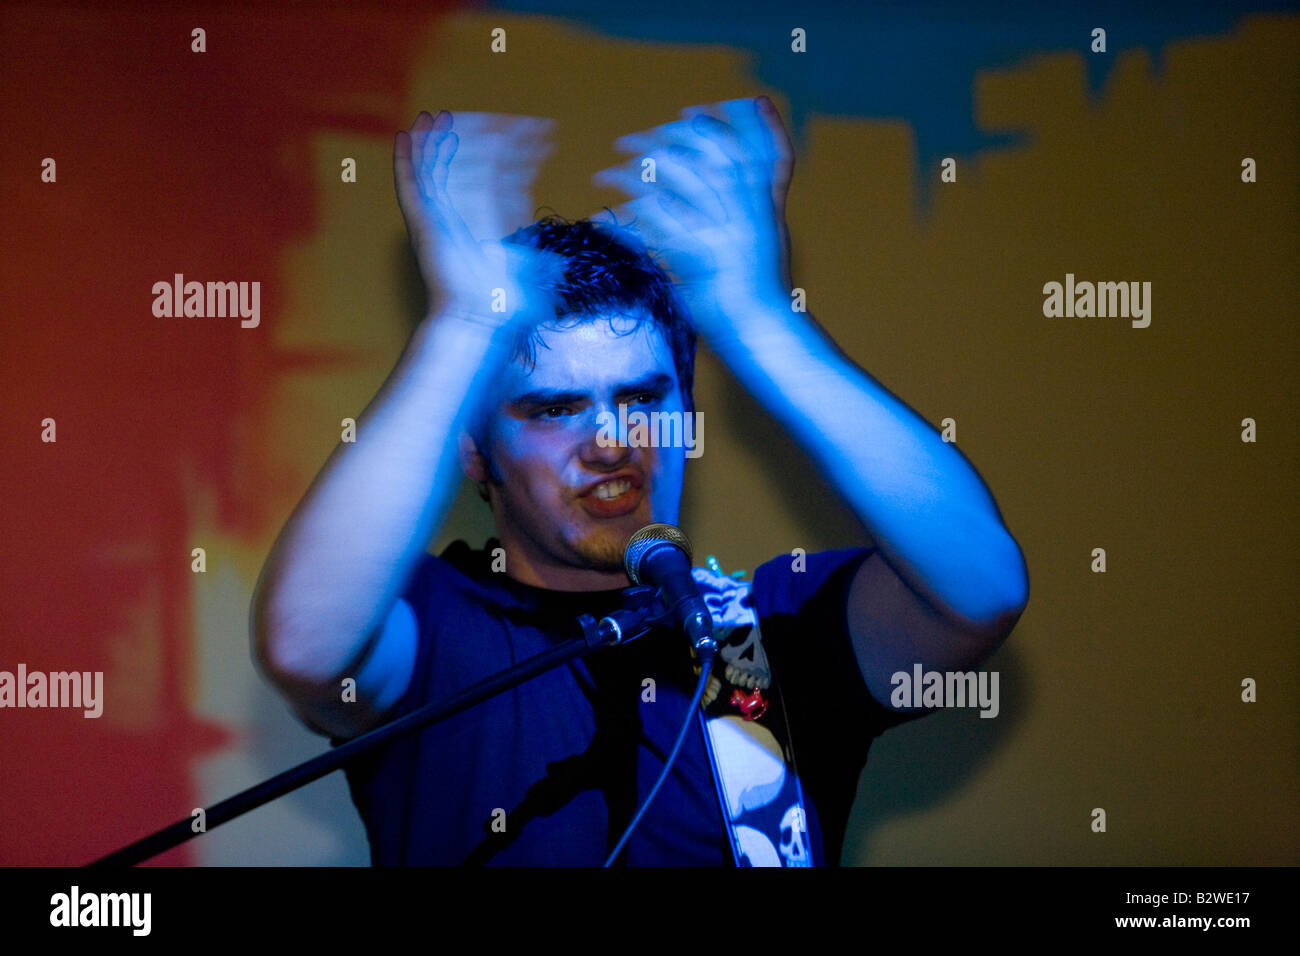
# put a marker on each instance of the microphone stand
(642, 610)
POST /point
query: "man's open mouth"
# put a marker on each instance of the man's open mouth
(612, 489)
(613, 496)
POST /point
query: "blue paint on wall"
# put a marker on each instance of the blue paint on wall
(914, 62)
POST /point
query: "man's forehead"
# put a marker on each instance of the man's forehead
(606, 350)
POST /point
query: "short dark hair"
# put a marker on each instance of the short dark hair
(608, 268)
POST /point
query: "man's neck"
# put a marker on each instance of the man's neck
(529, 569)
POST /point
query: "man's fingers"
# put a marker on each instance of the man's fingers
(494, 141)
(465, 176)
(446, 219)
(411, 198)
(707, 188)
(419, 134)
(729, 157)
(743, 117)
(673, 171)
(755, 121)
(440, 163)
(758, 124)
(724, 139)
(683, 212)
(420, 162)
(703, 109)
(783, 163)
(663, 222)
(677, 133)
(486, 167)
(644, 218)
(403, 170)
(686, 146)
(402, 167)
(783, 145)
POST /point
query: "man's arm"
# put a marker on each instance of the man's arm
(326, 606)
(947, 581)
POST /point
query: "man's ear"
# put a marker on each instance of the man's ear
(472, 462)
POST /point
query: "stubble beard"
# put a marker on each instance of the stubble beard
(600, 548)
(602, 551)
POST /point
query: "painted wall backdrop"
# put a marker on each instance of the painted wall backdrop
(1119, 690)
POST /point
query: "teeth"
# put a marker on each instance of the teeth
(739, 678)
(612, 489)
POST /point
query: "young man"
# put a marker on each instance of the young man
(530, 347)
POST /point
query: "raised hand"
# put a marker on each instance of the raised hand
(463, 184)
(716, 212)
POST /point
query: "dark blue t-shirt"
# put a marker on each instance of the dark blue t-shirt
(562, 762)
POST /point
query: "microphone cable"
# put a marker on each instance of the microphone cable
(706, 656)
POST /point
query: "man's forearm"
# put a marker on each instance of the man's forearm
(926, 508)
(348, 547)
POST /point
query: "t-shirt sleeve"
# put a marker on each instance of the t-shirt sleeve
(803, 616)
(802, 609)
(422, 594)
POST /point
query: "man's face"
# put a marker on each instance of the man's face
(566, 506)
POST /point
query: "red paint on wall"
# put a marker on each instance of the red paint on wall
(168, 161)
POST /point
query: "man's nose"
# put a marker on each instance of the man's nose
(606, 441)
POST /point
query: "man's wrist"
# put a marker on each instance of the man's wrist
(451, 312)
(450, 323)
(455, 333)
(756, 323)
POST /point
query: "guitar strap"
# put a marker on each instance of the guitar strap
(747, 735)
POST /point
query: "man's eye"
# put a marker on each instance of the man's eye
(553, 411)
(646, 398)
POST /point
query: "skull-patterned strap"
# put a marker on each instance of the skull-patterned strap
(747, 735)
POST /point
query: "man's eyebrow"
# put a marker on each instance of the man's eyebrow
(548, 396)
(545, 397)
(654, 382)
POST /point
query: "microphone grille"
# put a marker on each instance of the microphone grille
(647, 538)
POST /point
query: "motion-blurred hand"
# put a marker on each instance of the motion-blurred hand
(461, 192)
(716, 212)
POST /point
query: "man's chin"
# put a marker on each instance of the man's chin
(603, 549)
(602, 553)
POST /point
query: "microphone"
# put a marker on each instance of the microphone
(660, 555)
